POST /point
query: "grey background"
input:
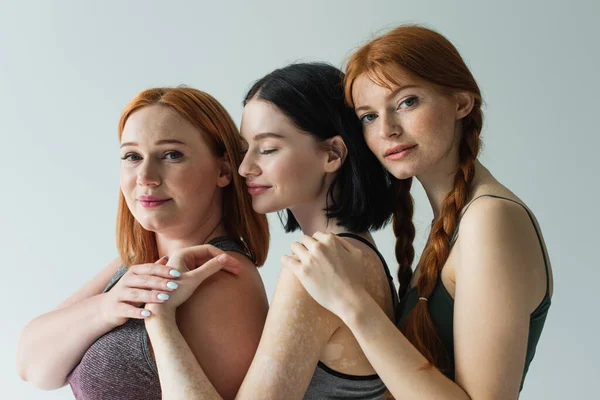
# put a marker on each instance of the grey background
(67, 68)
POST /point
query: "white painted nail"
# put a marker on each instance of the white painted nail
(175, 273)
(172, 285)
(145, 313)
(163, 296)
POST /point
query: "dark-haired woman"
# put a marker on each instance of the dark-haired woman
(305, 156)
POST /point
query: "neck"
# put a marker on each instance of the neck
(439, 182)
(312, 216)
(210, 228)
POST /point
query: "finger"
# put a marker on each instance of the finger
(207, 269)
(162, 261)
(150, 282)
(155, 269)
(290, 262)
(195, 256)
(230, 264)
(134, 295)
(309, 242)
(300, 251)
(129, 311)
(346, 244)
(325, 238)
(331, 240)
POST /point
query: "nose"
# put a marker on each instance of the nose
(249, 167)
(148, 173)
(388, 125)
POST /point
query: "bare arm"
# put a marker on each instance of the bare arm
(496, 290)
(52, 345)
(47, 352)
(216, 330)
(296, 330)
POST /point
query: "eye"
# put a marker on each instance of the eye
(173, 155)
(365, 119)
(131, 157)
(410, 102)
(267, 151)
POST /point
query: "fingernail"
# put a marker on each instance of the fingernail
(222, 258)
(164, 258)
(175, 273)
(163, 296)
(145, 313)
(172, 285)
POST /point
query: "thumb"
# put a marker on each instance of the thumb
(211, 267)
(162, 261)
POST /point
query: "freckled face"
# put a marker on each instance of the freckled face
(169, 177)
(411, 128)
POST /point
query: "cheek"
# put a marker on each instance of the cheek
(127, 180)
(292, 168)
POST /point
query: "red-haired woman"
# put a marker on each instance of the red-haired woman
(475, 306)
(180, 153)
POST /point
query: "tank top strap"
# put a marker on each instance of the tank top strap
(537, 232)
(385, 266)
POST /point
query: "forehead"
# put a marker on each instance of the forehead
(158, 122)
(370, 87)
(261, 116)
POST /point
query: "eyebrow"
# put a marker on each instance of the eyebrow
(389, 96)
(267, 135)
(164, 141)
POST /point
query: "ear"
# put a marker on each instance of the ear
(336, 153)
(225, 172)
(464, 104)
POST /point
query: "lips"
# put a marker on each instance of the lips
(152, 201)
(398, 149)
(256, 188)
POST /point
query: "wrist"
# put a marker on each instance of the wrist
(356, 308)
(162, 318)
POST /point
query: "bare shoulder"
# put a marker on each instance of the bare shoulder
(498, 238)
(245, 287)
(376, 280)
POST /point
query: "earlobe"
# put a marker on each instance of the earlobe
(225, 173)
(336, 154)
(464, 104)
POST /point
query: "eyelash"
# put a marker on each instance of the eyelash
(267, 151)
(415, 98)
(128, 156)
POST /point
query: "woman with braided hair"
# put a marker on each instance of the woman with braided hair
(473, 310)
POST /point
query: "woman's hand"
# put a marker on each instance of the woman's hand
(330, 269)
(143, 283)
(195, 264)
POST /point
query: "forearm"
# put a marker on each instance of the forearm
(400, 365)
(51, 345)
(180, 374)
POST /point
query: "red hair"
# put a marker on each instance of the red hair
(430, 56)
(137, 245)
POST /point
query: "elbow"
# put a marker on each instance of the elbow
(39, 377)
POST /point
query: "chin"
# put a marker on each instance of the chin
(402, 171)
(265, 207)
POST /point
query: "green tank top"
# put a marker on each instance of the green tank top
(441, 308)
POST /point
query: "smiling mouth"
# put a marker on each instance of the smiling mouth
(256, 190)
